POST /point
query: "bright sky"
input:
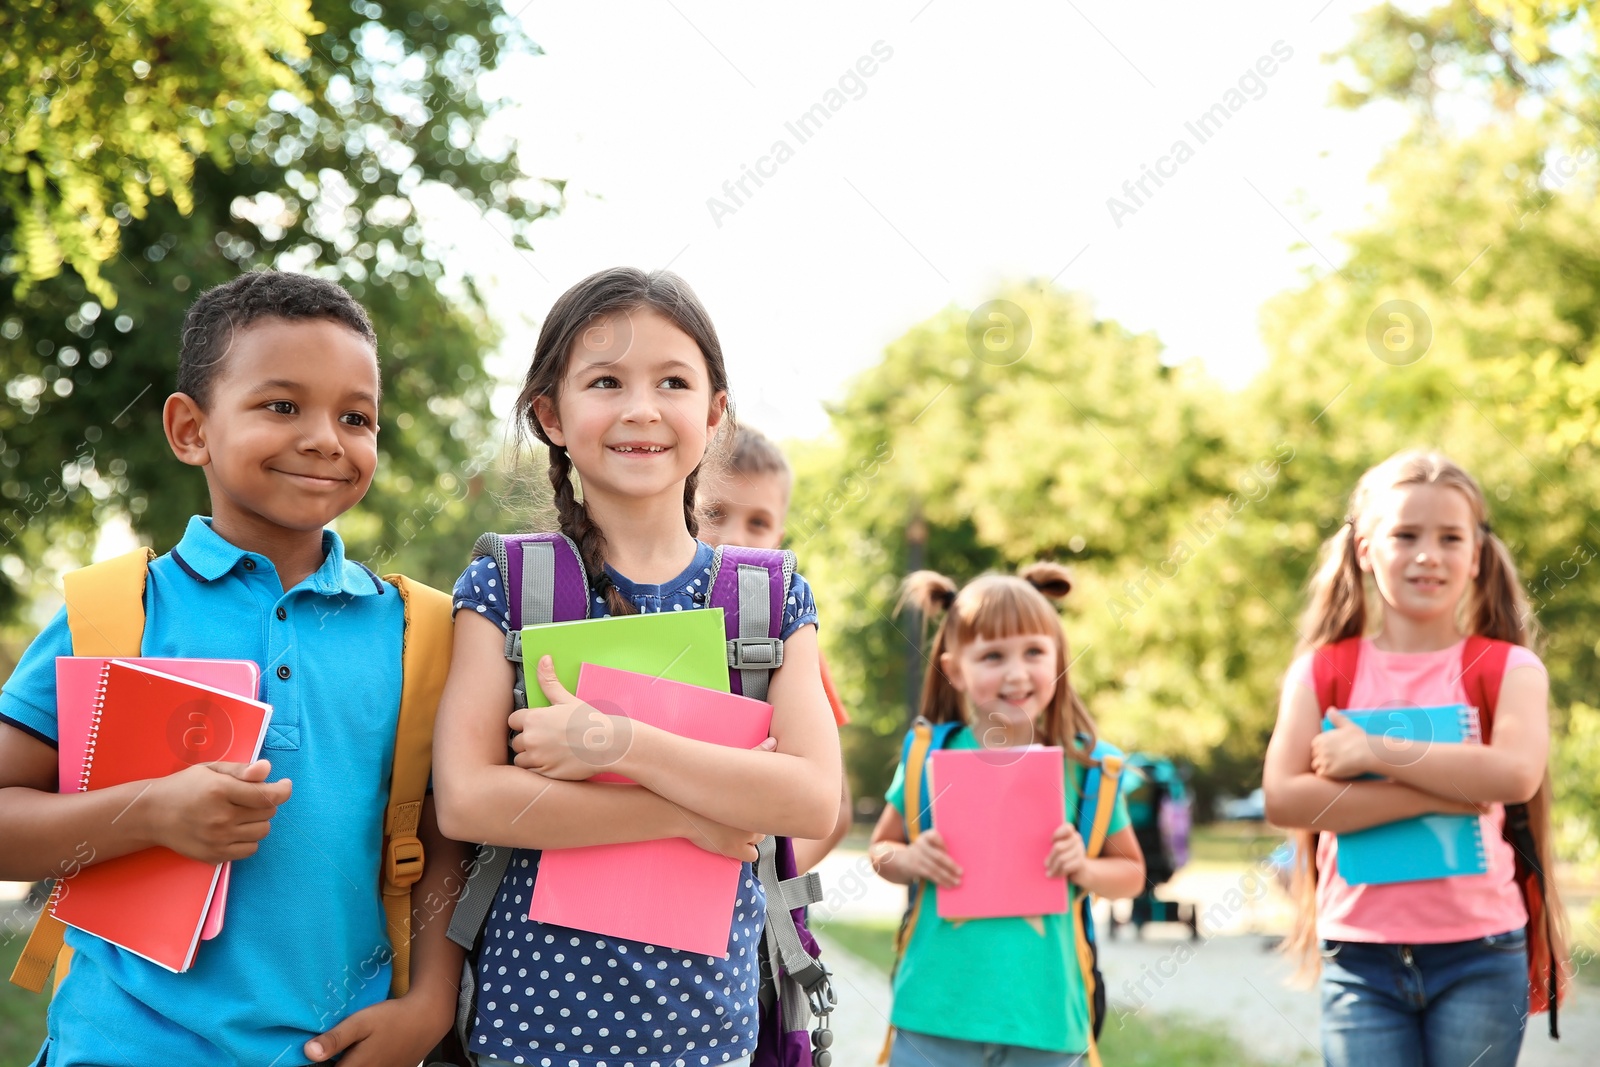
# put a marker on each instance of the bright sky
(981, 148)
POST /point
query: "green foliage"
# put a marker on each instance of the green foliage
(323, 182)
(1193, 517)
(105, 105)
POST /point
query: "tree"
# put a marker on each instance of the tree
(106, 105)
(1028, 429)
(324, 184)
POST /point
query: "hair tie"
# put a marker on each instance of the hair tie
(1488, 531)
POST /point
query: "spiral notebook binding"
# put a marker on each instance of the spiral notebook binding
(1471, 726)
(1472, 734)
(94, 727)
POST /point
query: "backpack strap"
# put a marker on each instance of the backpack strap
(921, 742)
(751, 586)
(1103, 782)
(544, 581)
(1333, 673)
(1483, 668)
(105, 614)
(425, 661)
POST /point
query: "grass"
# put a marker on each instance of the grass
(21, 1012)
(1130, 1040)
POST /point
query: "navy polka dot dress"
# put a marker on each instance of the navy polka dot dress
(556, 997)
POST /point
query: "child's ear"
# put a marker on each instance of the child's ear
(549, 420)
(949, 668)
(185, 426)
(1363, 558)
(719, 409)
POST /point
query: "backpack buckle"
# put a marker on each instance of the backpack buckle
(755, 653)
(404, 862)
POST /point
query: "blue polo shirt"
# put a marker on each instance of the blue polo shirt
(304, 942)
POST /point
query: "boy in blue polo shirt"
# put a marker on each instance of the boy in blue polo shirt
(277, 403)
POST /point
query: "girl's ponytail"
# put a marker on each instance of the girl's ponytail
(1499, 607)
(1051, 579)
(1337, 606)
(932, 594)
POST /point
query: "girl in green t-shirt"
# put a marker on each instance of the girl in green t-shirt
(1007, 991)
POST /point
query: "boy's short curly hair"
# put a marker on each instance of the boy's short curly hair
(221, 311)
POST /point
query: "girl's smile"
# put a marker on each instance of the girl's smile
(1008, 683)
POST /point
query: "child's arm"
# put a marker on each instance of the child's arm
(1299, 798)
(809, 852)
(403, 1030)
(793, 791)
(903, 864)
(1508, 770)
(212, 812)
(482, 797)
(1116, 873)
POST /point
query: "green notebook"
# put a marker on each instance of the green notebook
(681, 646)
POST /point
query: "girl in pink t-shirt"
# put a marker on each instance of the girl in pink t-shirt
(1435, 971)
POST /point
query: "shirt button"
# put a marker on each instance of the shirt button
(249, 564)
(283, 672)
(282, 614)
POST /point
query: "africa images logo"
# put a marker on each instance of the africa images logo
(1252, 85)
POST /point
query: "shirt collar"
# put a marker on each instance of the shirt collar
(206, 555)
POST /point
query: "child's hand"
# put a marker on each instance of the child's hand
(723, 840)
(1067, 854)
(392, 1033)
(569, 740)
(1343, 752)
(215, 812)
(925, 858)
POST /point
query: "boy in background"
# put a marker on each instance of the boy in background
(745, 504)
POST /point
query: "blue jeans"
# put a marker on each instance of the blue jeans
(1444, 1005)
(924, 1050)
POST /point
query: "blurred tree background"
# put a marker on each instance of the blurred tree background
(1192, 516)
(153, 151)
(149, 151)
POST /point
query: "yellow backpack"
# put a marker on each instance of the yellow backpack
(105, 613)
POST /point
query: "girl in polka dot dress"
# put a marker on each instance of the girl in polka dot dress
(628, 390)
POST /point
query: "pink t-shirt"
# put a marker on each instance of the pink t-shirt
(1439, 909)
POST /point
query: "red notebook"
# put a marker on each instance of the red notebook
(78, 684)
(148, 724)
(671, 893)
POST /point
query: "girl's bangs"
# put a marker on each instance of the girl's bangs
(995, 607)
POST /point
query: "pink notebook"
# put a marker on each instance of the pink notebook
(997, 812)
(670, 893)
(77, 682)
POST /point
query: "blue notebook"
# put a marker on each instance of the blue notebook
(1426, 846)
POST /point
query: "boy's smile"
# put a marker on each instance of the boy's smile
(289, 437)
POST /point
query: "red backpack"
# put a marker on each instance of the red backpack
(1483, 665)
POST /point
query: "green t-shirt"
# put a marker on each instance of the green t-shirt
(994, 981)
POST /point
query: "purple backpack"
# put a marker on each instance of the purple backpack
(545, 582)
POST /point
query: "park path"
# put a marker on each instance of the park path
(1231, 978)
